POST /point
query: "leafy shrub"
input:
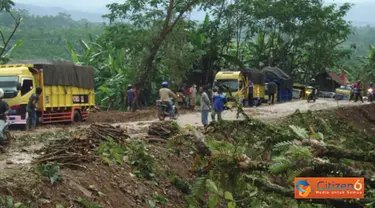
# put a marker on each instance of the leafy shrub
(52, 171)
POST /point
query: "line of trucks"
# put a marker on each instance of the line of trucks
(68, 90)
(238, 80)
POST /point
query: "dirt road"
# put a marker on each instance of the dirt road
(35, 140)
(144, 118)
(269, 113)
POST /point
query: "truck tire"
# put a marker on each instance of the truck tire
(77, 117)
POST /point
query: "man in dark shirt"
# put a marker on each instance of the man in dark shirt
(4, 109)
(131, 97)
(250, 87)
(31, 108)
(271, 92)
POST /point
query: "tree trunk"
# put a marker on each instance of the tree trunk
(167, 29)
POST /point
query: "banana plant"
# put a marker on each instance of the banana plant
(6, 57)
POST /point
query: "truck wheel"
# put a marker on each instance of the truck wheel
(77, 117)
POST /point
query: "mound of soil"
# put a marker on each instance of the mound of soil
(363, 117)
(111, 186)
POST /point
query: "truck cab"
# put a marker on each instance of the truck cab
(18, 84)
(67, 90)
(236, 82)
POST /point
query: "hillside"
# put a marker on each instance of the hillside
(53, 11)
(45, 37)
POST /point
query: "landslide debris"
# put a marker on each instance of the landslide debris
(243, 163)
(250, 162)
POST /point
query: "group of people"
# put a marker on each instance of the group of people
(190, 93)
(215, 105)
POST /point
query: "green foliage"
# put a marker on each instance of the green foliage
(300, 132)
(8, 202)
(135, 153)
(157, 199)
(44, 37)
(112, 150)
(52, 171)
(142, 162)
(239, 178)
(85, 203)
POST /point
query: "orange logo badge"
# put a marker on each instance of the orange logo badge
(329, 188)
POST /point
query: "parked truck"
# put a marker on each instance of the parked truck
(68, 90)
(237, 80)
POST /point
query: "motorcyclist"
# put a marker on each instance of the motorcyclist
(371, 90)
(165, 96)
(357, 91)
(4, 110)
(371, 86)
(313, 85)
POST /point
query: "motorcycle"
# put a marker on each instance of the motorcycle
(313, 95)
(7, 138)
(163, 109)
(370, 94)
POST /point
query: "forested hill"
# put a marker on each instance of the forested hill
(46, 36)
(92, 16)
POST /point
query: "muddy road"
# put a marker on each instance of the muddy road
(142, 118)
(26, 143)
(269, 113)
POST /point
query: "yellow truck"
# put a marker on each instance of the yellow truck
(344, 92)
(300, 91)
(68, 90)
(238, 80)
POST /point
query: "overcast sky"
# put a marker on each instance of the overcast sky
(97, 4)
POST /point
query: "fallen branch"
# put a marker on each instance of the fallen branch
(81, 148)
(156, 140)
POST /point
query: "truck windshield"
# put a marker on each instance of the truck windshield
(9, 85)
(231, 83)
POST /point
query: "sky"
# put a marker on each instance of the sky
(363, 14)
(97, 4)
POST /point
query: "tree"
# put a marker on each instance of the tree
(6, 5)
(149, 14)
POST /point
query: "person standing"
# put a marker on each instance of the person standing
(184, 93)
(4, 110)
(31, 109)
(193, 95)
(131, 98)
(218, 105)
(250, 88)
(271, 92)
(188, 93)
(357, 91)
(205, 106)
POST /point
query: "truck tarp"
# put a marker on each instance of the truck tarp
(274, 73)
(62, 73)
(256, 76)
(283, 81)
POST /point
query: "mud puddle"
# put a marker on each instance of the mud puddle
(15, 159)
